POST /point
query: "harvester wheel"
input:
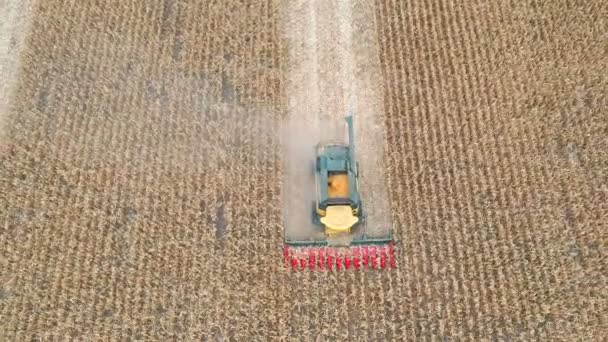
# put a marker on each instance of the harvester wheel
(315, 217)
(362, 214)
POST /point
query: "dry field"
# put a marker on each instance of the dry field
(141, 169)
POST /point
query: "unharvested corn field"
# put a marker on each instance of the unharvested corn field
(141, 168)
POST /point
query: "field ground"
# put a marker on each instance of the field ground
(141, 168)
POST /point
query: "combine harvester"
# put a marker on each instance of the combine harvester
(339, 234)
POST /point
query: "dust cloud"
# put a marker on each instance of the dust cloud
(299, 139)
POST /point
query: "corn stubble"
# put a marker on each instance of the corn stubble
(140, 176)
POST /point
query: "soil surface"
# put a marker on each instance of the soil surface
(142, 169)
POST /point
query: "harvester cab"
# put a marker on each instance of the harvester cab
(340, 233)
